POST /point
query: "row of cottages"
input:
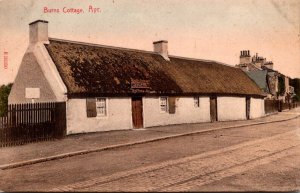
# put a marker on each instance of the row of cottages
(274, 84)
(111, 88)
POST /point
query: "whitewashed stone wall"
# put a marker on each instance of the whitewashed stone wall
(37, 70)
(30, 75)
(231, 108)
(257, 108)
(185, 112)
(120, 113)
(119, 116)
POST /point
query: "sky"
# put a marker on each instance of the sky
(205, 29)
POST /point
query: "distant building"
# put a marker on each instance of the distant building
(273, 83)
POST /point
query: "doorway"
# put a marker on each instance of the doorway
(213, 109)
(248, 107)
(137, 112)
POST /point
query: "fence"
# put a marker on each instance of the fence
(27, 123)
(295, 104)
(273, 106)
(284, 106)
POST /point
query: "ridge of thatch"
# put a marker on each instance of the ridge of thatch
(91, 69)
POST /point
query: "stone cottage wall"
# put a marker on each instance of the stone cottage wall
(186, 112)
(119, 116)
(231, 108)
(30, 75)
(257, 108)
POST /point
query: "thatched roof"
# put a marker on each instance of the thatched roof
(91, 70)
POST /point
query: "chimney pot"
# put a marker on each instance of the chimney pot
(38, 31)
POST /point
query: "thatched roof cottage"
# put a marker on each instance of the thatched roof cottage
(109, 88)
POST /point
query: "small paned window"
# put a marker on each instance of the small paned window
(164, 104)
(101, 107)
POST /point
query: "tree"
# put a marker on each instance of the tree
(281, 85)
(296, 84)
(4, 92)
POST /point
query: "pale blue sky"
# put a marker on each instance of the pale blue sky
(206, 29)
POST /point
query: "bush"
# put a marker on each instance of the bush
(281, 85)
(296, 84)
(4, 92)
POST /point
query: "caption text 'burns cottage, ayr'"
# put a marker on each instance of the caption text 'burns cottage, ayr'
(70, 10)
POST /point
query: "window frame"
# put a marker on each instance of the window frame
(105, 106)
(166, 104)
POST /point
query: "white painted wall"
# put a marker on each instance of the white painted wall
(231, 108)
(119, 116)
(37, 70)
(185, 112)
(257, 108)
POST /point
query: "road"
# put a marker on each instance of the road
(263, 157)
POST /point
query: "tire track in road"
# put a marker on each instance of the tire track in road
(185, 173)
(201, 180)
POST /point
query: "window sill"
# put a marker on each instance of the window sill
(163, 112)
(102, 117)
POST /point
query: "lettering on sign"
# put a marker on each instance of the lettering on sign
(139, 84)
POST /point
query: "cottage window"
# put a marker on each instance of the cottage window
(196, 102)
(101, 106)
(163, 104)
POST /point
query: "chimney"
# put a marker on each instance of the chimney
(161, 47)
(38, 32)
(245, 57)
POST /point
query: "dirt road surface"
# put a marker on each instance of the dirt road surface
(262, 157)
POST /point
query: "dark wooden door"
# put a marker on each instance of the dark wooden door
(247, 107)
(213, 109)
(137, 112)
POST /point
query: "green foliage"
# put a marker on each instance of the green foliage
(281, 85)
(4, 92)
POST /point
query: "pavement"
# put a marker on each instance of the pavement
(72, 145)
